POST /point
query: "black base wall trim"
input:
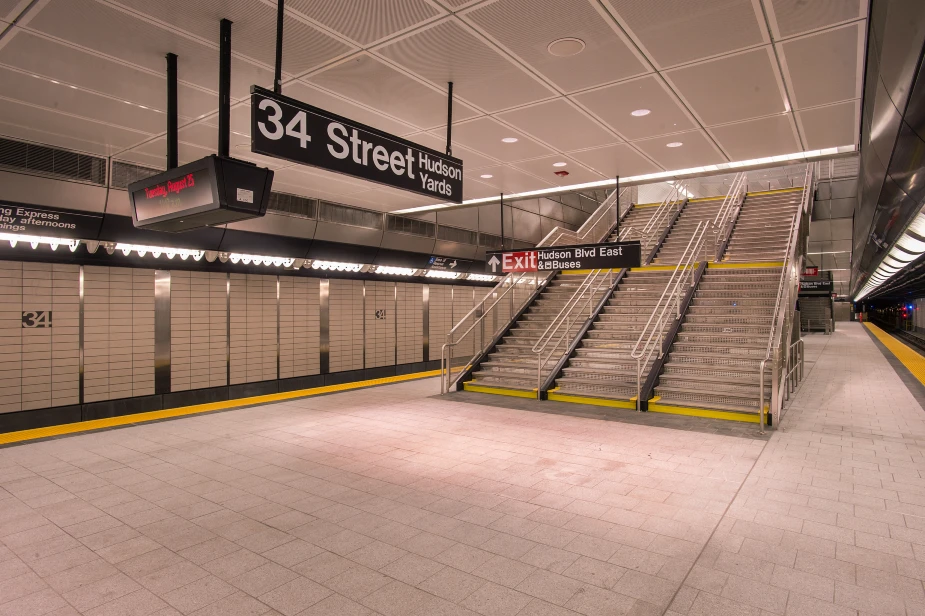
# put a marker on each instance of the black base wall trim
(58, 415)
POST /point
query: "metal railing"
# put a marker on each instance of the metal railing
(796, 357)
(785, 304)
(728, 212)
(662, 215)
(668, 307)
(475, 332)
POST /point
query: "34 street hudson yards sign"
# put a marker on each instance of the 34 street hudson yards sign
(283, 127)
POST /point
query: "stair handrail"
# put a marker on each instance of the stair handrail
(784, 304)
(728, 212)
(664, 208)
(596, 226)
(650, 338)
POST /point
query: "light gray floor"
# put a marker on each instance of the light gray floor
(387, 501)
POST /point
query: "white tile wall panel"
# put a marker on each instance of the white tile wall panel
(380, 330)
(253, 328)
(299, 337)
(142, 332)
(197, 330)
(462, 304)
(11, 336)
(410, 314)
(441, 317)
(346, 325)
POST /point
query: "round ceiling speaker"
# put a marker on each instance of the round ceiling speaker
(565, 47)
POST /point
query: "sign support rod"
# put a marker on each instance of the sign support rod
(449, 120)
(224, 89)
(278, 74)
(617, 188)
(172, 126)
(501, 203)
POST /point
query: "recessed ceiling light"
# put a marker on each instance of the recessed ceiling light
(486, 176)
(641, 112)
(674, 144)
(565, 47)
(559, 164)
(510, 140)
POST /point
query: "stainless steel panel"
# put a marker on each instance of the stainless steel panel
(278, 224)
(395, 322)
(452, 249)
(324, 325)
(161, 332)
(425, 316)
(228, 328)
(526, 227)
(277, 326)
(332, 232)
(80, 339)
(403, 241)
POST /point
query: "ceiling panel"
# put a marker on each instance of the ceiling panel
(10, 9)
(758, 138)
(614, 160)
(507, 179)
(385, 200)
(447, 52)
(615, 104)
(733, 88)
(49, 58)
(322, 180)
(253, 32)
(542, 167)
(318, 98)
(560, 125)
(678, 31)
(796, 16)
(157, 150)
(119, 35)
(527, 27)
(365, 21)
(375, 84)
(830, 126)
(36, 135)
(696, 150)
(485, 135)
(470, 158)
(824, 67)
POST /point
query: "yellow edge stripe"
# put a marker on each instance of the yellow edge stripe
(619, 404)
(644, 268)
(771, 192)
(501, 391)
(124, 420)
(697, 412)
(909, 357)
(705, 199)
(746, 265)
(645, 205)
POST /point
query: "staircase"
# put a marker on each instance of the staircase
(601, 366)
(682, 230)
(763, 227)
(715, 360)
(633, 223)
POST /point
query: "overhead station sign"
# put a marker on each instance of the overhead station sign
(617, 255)
(283, 127)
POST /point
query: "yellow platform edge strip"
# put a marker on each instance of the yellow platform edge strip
(706, 199)
(698, 412)
(500, 391)
(908, 356)
(771, 192)
(619, 404)
(746, 265)
(125, 420)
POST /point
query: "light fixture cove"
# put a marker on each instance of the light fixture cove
(909, 247)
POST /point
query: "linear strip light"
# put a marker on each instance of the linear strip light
(388, 270)
(648, 177)
(481, 277)
(337, 266)
(35, 240)
(904, 251)
(257, 259)
(157, 251)
(441, 274)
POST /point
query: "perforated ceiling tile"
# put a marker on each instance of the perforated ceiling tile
(470, 158)
(365, 21)
(9, 9)
(830, 126)
(560, 125)
(796, 16)
(158, 148)
(680, 31)
(476, 189)
(318, 98)
(253, 32)
(128, 39)
(377, 85)
(695, 150)
(614, 160)
(480, 75)
(322, 180)
(527, 27)
(35, 135)
(758, 138)
(543, 168)
(724, 90)
(508, 180)
(485, 135)
(616, 104)
(54, 60)
(825, 67)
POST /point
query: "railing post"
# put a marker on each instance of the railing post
(775, 383)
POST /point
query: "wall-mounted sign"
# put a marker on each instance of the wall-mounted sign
(283, 127)
(816, 286)
(450, 264)
(36, 319)
(591, 256)
(34, 220)
(380, 313)
(810, 271)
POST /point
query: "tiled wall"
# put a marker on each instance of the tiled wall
(40, 366)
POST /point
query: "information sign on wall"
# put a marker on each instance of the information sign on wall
(43, 221)
(592, 256)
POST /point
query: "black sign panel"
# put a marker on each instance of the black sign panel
(816, 286)
(48, 222)
(617, 255)
(283, 127)
(450, 264)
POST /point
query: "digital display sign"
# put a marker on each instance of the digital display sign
(186, 191)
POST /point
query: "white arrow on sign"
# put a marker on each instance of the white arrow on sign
(494, 263)
(453, 264)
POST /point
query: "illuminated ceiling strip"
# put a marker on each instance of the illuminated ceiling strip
(796, 157)
(35, 240)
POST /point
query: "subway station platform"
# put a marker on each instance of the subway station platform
(390, 500)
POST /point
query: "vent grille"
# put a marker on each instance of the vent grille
(411, 226)
(53, 162)
(454, 234)
(490, 241)
(124, 174)
(293, 205)
(344, 215)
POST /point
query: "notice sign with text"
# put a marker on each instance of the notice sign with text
(43, 221)
(617, 255)
(283, 127)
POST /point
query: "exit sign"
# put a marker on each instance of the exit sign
(811, 271)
